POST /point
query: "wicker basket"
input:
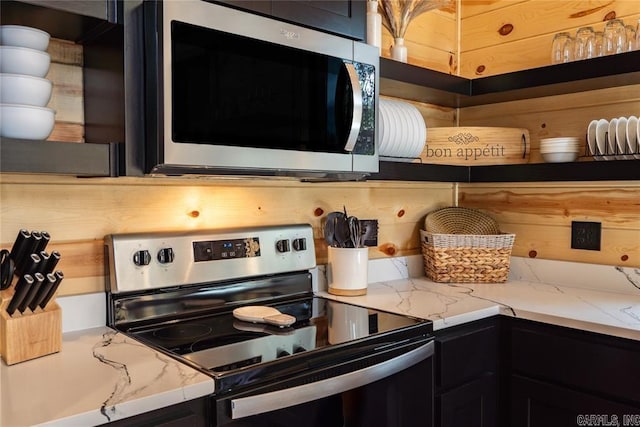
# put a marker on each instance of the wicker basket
(466, 258)
(459, 220)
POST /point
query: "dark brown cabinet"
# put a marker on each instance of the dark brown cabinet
(194, 413)
(342, 17)
(467, 375)
(561, 376)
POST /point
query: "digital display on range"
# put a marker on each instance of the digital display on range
(213, 250)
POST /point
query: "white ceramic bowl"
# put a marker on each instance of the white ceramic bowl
(26, 121)
(21, 60)
(560, 145)
(560, 157)
(26, 90)
(18, 35)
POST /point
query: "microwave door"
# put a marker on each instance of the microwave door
(356, 103)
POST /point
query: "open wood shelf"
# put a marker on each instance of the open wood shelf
(65, 158)
(616, 170)
(420, 84)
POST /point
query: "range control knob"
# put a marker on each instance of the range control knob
(300, 244)
(142, 257)
(283, 246)
(282, 353)
(165, 256)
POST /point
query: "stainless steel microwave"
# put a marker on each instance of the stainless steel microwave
(228, 91)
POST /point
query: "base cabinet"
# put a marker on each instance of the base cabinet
(473, 404)
(561, 377)
(540, 404)
(467, 375)
(194, 413)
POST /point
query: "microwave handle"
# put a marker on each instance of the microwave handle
(356, 119)
(271, 401)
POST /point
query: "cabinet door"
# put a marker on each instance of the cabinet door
(599, 364)
(467, 352)
(539, 404)
(342, 17)
(474, 404)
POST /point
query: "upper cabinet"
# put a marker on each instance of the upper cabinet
(104, 10)
(87, 71)
(341, 17)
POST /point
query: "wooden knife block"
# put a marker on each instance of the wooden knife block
(28, 335)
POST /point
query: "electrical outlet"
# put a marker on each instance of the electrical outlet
(369, 232)
(586, 235)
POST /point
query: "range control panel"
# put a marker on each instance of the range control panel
(143, 261)
(212, 250)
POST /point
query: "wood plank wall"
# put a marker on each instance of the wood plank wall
(500, 36)
(78, 213)
(431, 40)
(67, 96)
(540, 214)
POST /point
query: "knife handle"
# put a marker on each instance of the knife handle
(43, 242)
(50, 262)
(31, 294)
(54, 288)
(32, 265)
(49, 281)
(20, 249)
(22, 287)
(34, 242)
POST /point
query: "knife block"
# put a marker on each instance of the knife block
(28, 335)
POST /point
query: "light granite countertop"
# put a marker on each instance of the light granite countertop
(597, 298)
(101, 375)
(98, 376)
(454, 304)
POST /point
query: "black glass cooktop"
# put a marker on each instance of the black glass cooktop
(221, 343)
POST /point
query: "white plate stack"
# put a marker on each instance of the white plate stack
(559, 150)
(615, 139)
(24, 92)
(402, 131)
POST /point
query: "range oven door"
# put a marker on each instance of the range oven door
(396, 392)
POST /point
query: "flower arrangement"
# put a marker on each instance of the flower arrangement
(397, 14)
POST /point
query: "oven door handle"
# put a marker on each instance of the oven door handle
(267, 402)
(356, 118)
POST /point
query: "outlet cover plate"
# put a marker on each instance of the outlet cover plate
(586, 235)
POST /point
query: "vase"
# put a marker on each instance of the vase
(399, 50)
(374, 25)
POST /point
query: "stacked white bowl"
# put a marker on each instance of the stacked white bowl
(24, 92)
(559, 150)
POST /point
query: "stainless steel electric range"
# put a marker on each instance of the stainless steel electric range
(337, 364)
